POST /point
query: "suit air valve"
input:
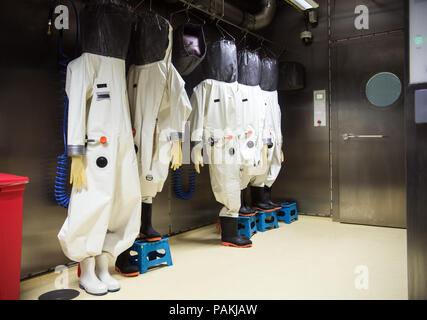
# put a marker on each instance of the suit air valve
(102, 140)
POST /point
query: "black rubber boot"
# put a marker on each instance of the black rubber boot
(258, 201)
(124, 265)
(229, 235)
(146, 231)
(267, 198)
(245, 209)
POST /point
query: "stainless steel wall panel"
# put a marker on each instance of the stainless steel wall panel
(384, 15)
(201, 210)
(30, 134)
(416, 177)
(416, 181)
(305, 175)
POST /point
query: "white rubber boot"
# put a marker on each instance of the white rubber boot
(88, 279)
(104, 275)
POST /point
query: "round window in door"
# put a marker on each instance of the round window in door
(383, 89)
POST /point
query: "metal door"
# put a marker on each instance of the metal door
(367, 73)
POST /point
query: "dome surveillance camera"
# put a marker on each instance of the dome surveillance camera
(307, 37)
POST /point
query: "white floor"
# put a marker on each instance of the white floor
(313, 258)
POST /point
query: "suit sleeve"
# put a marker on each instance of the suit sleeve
(180, 104)
(267, 135)
(79, 89)
(197, 116)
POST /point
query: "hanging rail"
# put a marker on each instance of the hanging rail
(218, 17)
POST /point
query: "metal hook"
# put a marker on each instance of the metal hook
(243, 39)
(136, 7)
(188, 14)
(198, 18)
(222, 30)
(274, 54)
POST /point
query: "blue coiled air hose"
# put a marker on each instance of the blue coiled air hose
(177, 184)
(61, 178)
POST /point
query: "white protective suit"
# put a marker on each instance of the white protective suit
(159, 105)
(269, 81)
(215, 121)
(275, 153)
(104, 217)
(257, 131)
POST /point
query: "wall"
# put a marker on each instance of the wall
(310, 174)
(305, 175)
(416, 179)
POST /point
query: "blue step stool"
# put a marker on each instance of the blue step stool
(149, 255)
(247, 226)
(288, 212)
(263, 224)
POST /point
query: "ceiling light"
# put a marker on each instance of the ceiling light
(304, 4)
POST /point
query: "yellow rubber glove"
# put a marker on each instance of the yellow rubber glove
(78, 174)
(283, 157)
(198, 159)
(176, 155)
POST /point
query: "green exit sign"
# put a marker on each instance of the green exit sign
(419, 40)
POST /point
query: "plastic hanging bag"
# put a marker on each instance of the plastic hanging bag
(221, 61)
(106, 27)
(150, 39)
(269, 74)
(189, 48)
(249, 63)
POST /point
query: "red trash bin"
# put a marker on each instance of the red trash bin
(11, 201)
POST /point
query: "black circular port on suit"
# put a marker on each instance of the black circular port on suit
(211, 141)
(250, 144)
(136, 148)
(101, 162)
(231, 151)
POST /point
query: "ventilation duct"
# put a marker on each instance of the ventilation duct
(235, 15)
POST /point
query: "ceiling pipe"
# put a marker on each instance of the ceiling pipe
(235, 15)
(264, 17)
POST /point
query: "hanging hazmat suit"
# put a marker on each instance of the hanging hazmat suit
(158, 102)
(269, 83)
(256, 133)
(216, 124)
(103, 217)
(189, 48)
(159, 109)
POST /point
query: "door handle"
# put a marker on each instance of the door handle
(347, 136)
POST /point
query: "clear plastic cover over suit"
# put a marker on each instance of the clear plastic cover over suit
(215, 123)
(158, 101)
(104, 216)
(269, 82)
